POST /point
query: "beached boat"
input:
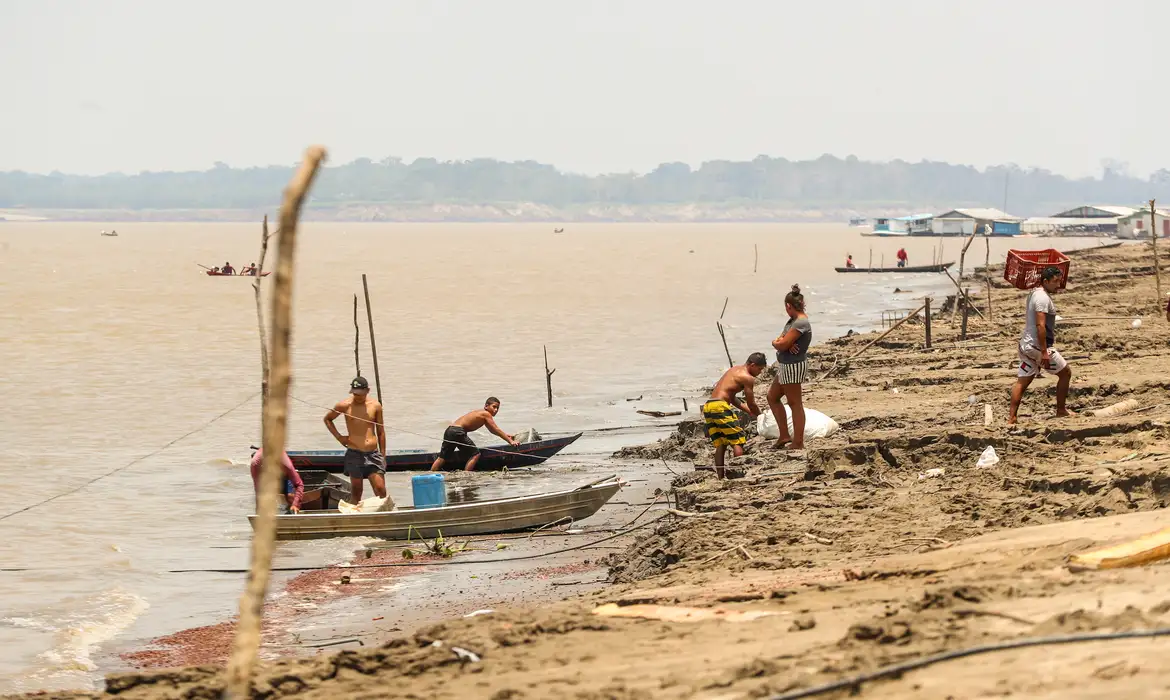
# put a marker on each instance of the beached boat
(908, 268)
(492, 458)
(213, 273)
(323, 490)
(463, 519)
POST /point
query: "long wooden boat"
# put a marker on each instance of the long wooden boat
(908, 268)
(491, 458)
(213, 273)
(474, 518)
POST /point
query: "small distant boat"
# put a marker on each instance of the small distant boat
(494, 457)
(909, 268)
(858, 221)
(458, 520)
(558, 230)
(109, 233)
(213, 273)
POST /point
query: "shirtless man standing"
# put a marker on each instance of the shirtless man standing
(722, 423)
(365, 446)
(456, 438)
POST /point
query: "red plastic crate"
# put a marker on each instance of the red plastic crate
(1023, 267)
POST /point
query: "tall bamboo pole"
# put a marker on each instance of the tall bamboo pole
(373, 344)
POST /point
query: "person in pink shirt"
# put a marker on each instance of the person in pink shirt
(292, 488)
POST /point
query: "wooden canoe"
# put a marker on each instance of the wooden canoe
(492, 458)
(213, 273)
(908, 268)
(459, 520)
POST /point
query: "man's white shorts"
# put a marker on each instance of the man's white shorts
(1030, 361)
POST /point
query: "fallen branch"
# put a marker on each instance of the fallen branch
(871, 343)
(820, 540)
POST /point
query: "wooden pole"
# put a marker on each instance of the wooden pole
(870, 259)
(357, 363)
(247, 640)
(962, 260)
(264, 236)
(871, 343)
(373, 345)
(1154, 242)
(990, 316)
(927, 307)
(548, 376)
(966, 308)
(756, 265)
(987, 260)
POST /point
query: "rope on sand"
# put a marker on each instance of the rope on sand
(132, 462)
(854, 683)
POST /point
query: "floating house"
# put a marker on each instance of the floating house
(987, 222)
(912, 225)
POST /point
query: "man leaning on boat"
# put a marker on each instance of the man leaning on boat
(365, 445)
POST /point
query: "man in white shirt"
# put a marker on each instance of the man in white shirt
(1036, 351)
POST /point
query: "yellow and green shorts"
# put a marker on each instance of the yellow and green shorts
(722, 424)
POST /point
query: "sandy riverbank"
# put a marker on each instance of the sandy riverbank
(853, 559)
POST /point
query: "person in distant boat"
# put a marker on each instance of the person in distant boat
(457, 441)
(723, 428)
(849, 262)
(250, 270)
(1035, 350)
(291, 487)
(228, 269)
(903, 258)
(792, 354)
(365, 445)
(215, 270)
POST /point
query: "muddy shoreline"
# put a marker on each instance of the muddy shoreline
(861, 556)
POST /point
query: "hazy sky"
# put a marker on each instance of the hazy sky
(92, 86)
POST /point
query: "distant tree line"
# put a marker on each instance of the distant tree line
(827, 181)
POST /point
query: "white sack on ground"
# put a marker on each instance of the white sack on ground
(816, 424)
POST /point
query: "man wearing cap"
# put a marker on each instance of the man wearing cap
(365, 445)
(1036, 351)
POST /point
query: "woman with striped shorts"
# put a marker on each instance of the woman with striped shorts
(792, 354)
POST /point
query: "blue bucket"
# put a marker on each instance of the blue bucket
(430, 490)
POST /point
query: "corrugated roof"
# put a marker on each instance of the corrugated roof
(1112, 209)
(915, 217)
(985, 214)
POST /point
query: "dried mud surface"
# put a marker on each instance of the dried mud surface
(859, 556)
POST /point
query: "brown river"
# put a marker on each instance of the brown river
(120, 357)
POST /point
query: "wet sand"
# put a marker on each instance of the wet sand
(858, 557)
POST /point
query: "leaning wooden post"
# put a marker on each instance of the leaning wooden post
(1154, 242)
(357, 334)
(962, 260)
(548, 373)
(756, 265)
(723, 337)
(264, 236)
(247, 641)
(373, 345)
(927, 307)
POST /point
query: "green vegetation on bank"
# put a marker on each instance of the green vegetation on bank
(827, 182)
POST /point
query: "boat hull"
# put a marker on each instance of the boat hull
(491, 458)
(908, 269)
(464, 519)
(212, 273)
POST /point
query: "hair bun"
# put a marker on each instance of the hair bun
(796, 289)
